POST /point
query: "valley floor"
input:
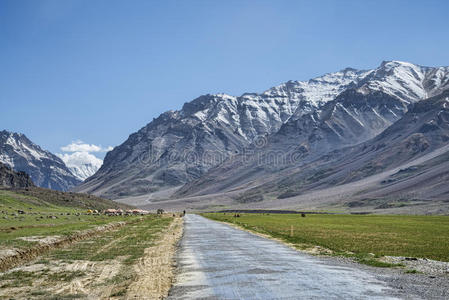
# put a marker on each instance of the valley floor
(48, 251)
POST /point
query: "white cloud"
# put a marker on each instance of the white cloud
(80, 146)
(80, 158)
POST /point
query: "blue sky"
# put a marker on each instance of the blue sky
(98, 71)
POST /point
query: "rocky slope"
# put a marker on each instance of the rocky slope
(349, 119)
(45, 169)
(402, 170)
(423, 130)
(11, 179)
(229, 135)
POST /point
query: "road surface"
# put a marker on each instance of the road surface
(217, 261)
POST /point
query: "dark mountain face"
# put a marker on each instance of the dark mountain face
(12, 179)
(45, 169)
(351, 118)
(218, 142)
(423, 129)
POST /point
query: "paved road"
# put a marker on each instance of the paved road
(217, 261)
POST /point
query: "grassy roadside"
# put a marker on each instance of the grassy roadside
(99, 267)
(63, 251)
(41, 219)
(364, 237)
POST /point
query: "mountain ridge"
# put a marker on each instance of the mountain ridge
(169, 151)
(402, 170)
(45, 169)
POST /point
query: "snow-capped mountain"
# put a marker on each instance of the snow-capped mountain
(406, 81)
(315, 116)
(81, 164)
(84, 171)
(45, 169)
(406, 166)
(180, 146)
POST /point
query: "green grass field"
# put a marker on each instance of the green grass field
(41, 218)
(414, 236)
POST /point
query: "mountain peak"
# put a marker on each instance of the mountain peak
(45, 169)
(404, 80)
(11, 134)
(394, 62)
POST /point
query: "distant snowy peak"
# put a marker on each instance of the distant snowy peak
(45, 169)
(22, 146)
(84, 171)
(406, 81)
(320, 89)
(81, 164)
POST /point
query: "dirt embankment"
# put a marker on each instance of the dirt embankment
(156, 270)
(18, 256)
